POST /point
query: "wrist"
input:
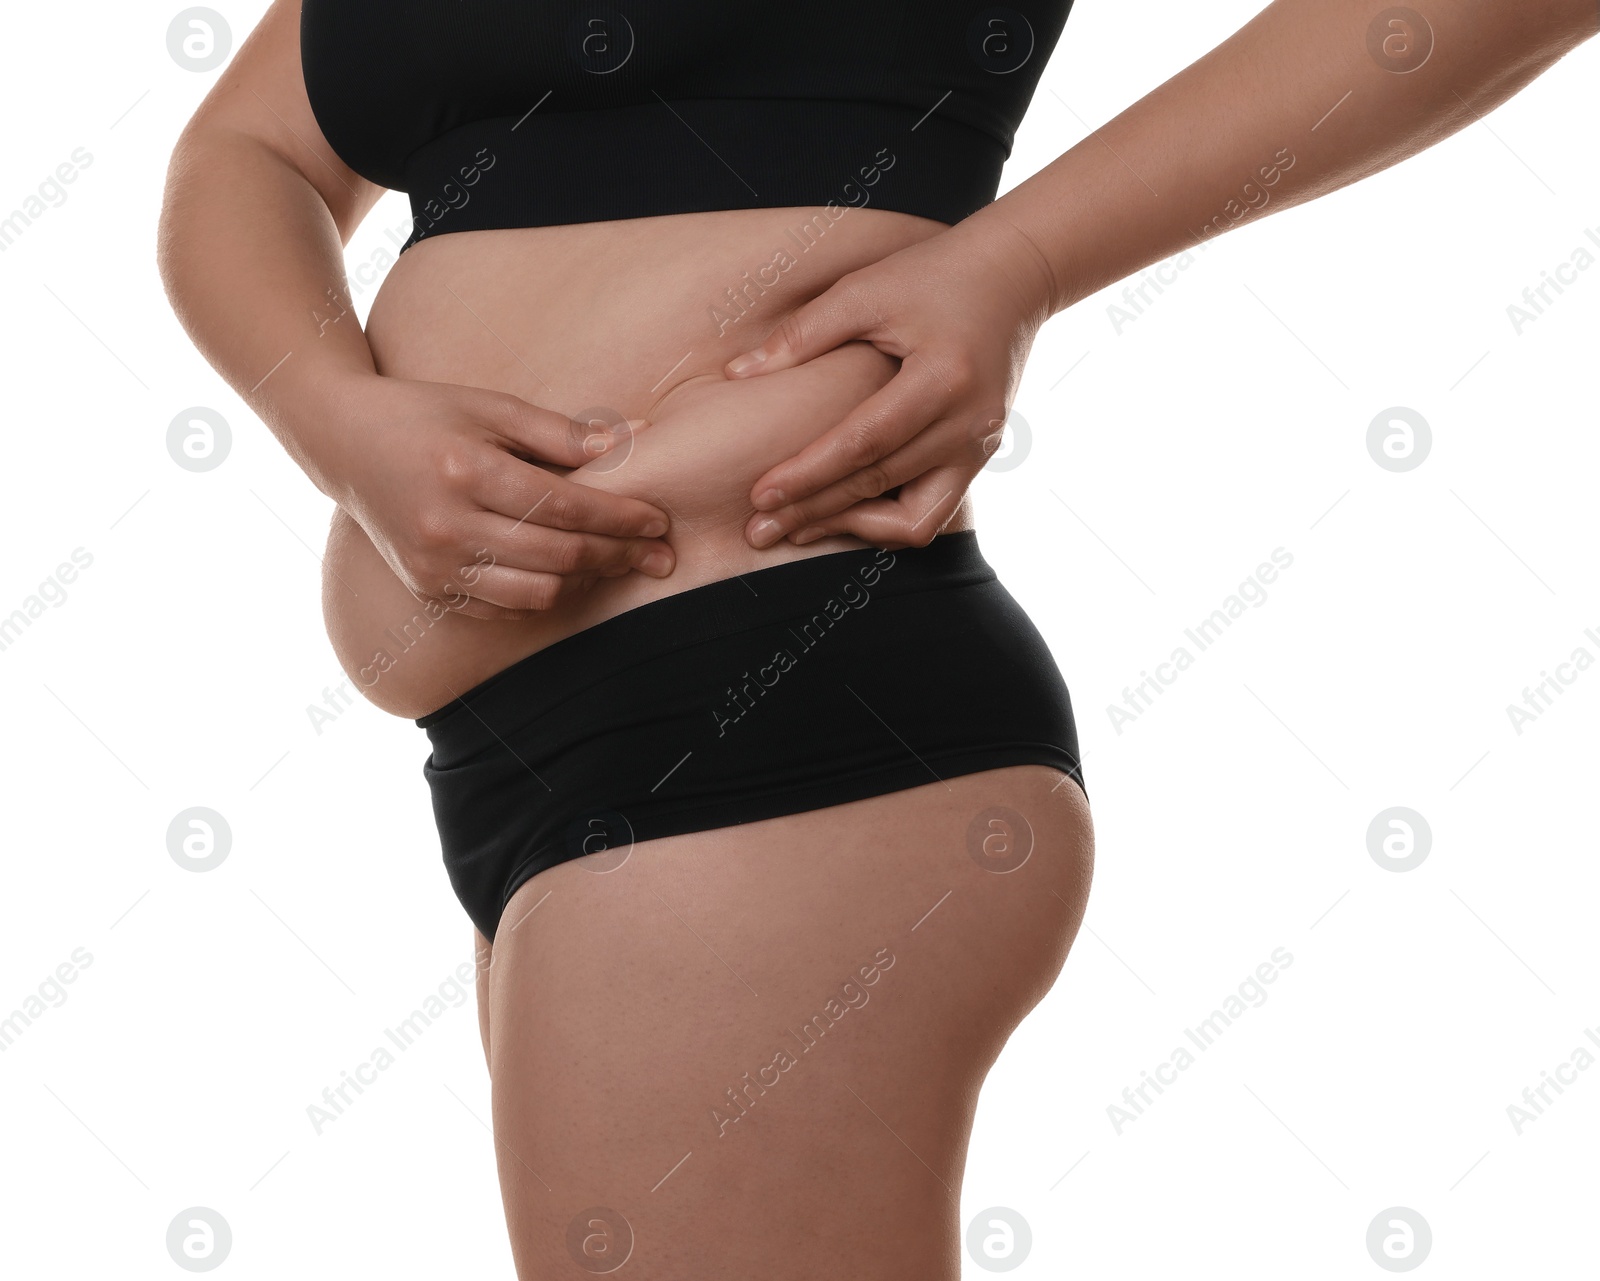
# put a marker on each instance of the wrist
(1021, 260)
(318, 423)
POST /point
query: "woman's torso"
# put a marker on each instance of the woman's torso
(635, 318)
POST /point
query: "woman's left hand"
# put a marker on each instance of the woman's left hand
(960, 310)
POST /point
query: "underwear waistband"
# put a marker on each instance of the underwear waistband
(777, 593)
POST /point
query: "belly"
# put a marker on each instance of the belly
(637, 318)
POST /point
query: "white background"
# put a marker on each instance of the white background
(1167, 461)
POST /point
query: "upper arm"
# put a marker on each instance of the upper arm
(261, 95)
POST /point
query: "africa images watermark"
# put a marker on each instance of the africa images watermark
(1538, 699)
(1136, 1099)
(852, 596)
(1250, 594)
(450, 994)
(52, 592)
(738, 302)
(1536, 1098)
(413, 630)
(49, 194)
(853, 995)
(1536, 299)
(50, 994)
(336, 700)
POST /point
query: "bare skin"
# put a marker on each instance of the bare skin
(622, 1007)
(616, 1003)
(453, 428)
(453, 310)
(1307, 97)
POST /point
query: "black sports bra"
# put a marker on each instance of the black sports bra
(492, 113)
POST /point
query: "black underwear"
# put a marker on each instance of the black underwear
(792, 688)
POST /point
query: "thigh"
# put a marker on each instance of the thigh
(757, 1050)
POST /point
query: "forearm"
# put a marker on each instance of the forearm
(1290, 107)
(252, 259)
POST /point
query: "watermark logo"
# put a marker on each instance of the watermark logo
(426, 214)
(1136, 300)
(744, 696)
(599, 1239)
(1399, 40)
(1251, 594)
(1536, 1098)
(1399, 839)
(1537, 297)
(199, 439)
(1399, 439)
(1540, 698)
(49, 594)
(1249, 994)
(199, 39)
(1000, 40)
(738, 1098)
(199, 1239)
(1399, 1239)
(600, 40)
(999, 839)
(741, 299)
(600, 842)
(999, 1239)
(50, 994)
(199, 839)
(609, 442)
(335, 701)
(451, 994)
(50, 194)
(1019, 438)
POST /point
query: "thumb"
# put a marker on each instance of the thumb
(913, 517)
(830, 319)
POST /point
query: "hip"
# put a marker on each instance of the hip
(709, 440)
(637, 316)
(796, 688)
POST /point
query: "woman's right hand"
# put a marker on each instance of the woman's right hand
(446, 482)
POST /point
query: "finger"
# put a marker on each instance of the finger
(831, 318)
(528, 546)
(555, 438)
(913, 518)
(474, 608)
(881, 424)
(927, 449)
(531, 495)
(521, 589)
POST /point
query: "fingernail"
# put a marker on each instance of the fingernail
(638, 424)
(655, 528)
(767, 499)
(746, 363)
(764, 532)
(657, 564)
(809, 534)
(596, 444)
